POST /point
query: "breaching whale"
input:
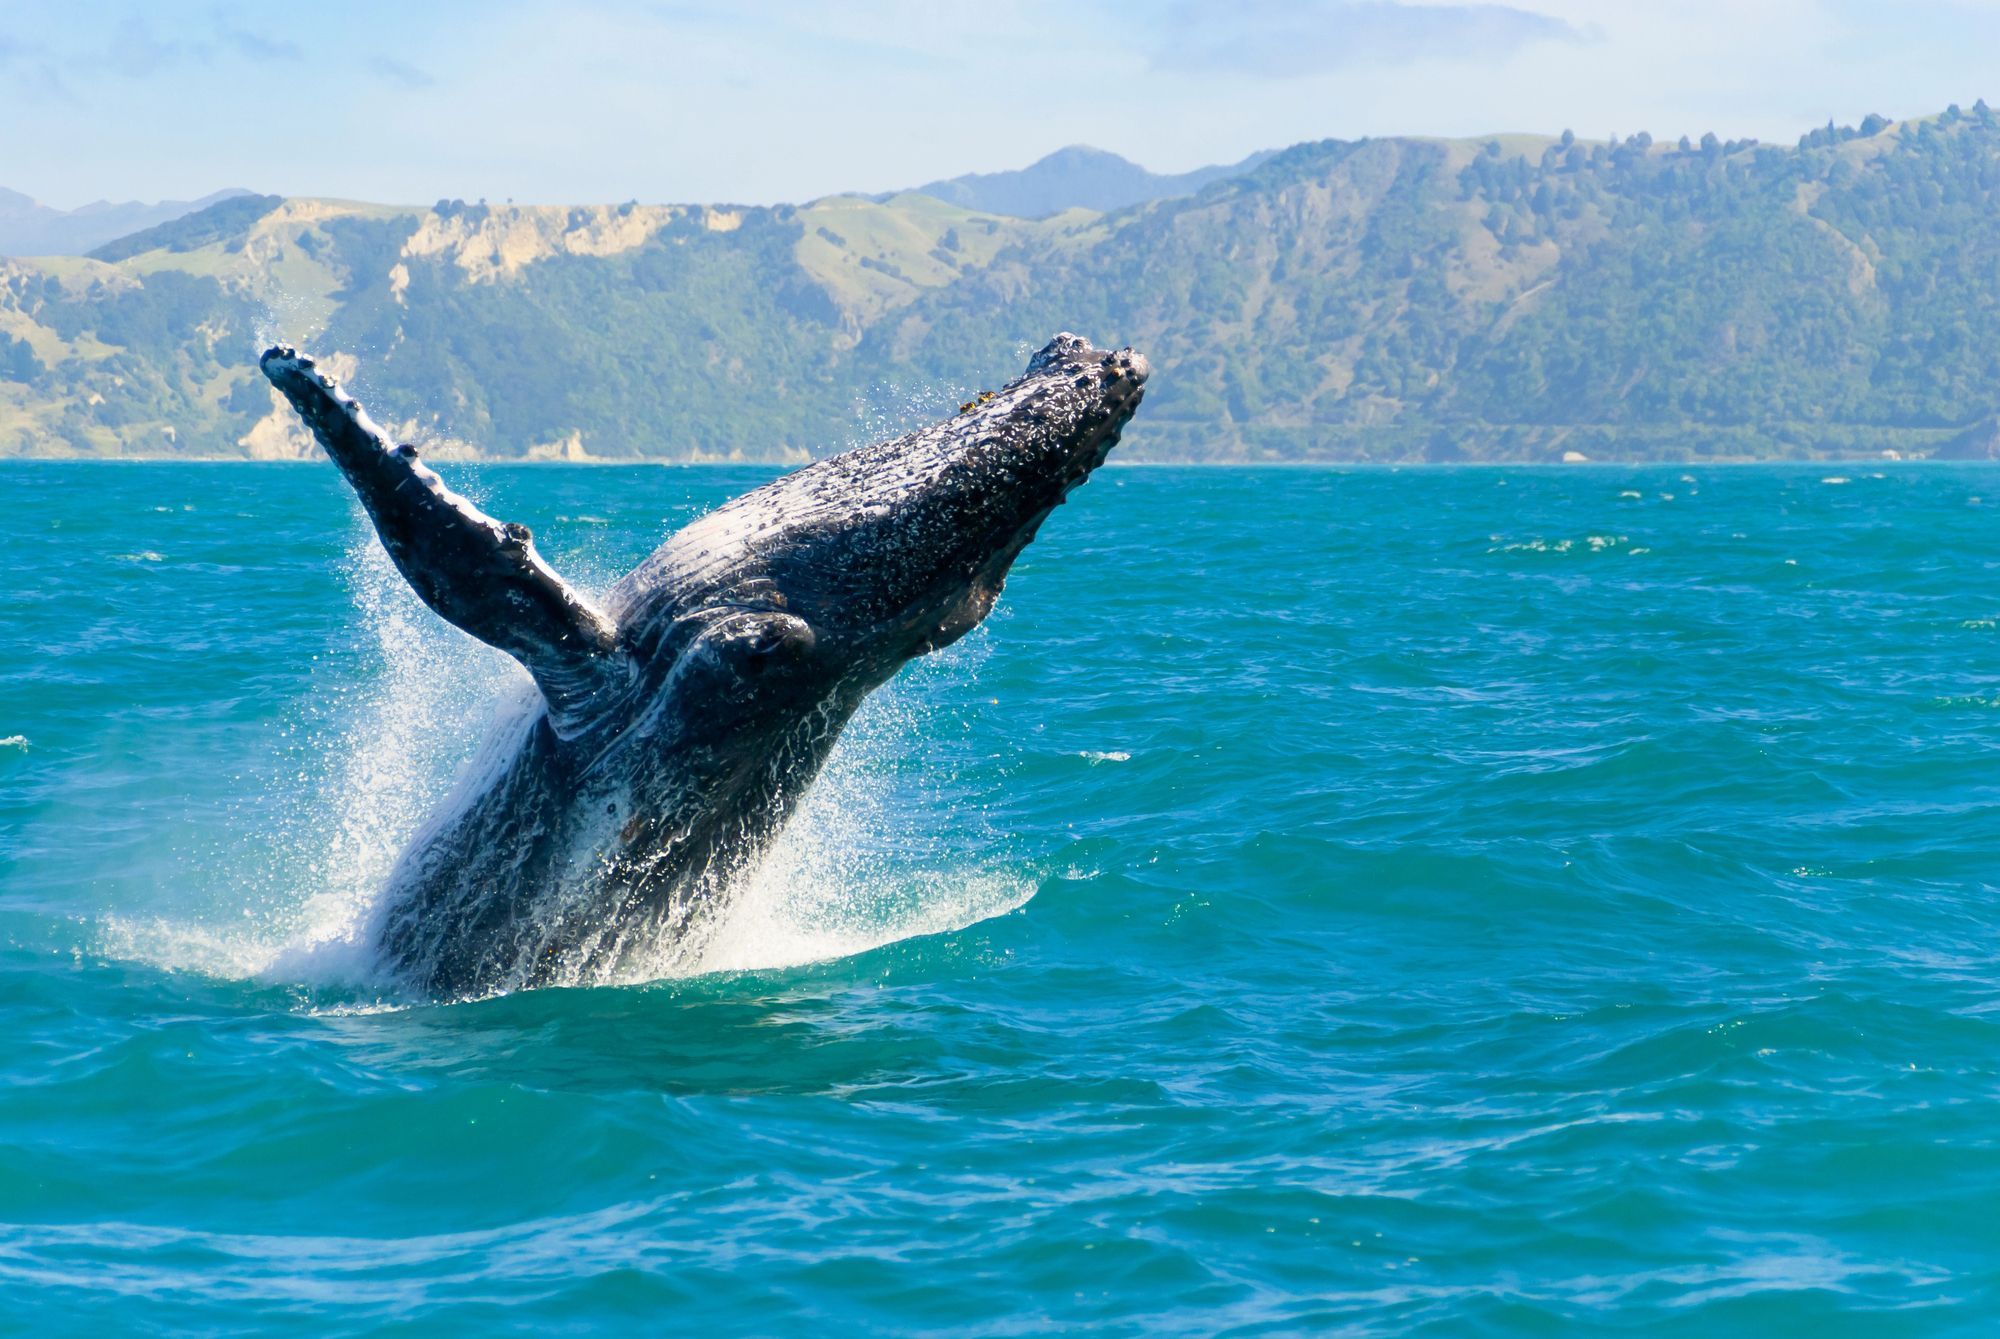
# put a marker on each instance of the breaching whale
(679, 720)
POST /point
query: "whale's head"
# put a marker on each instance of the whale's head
(838, 574)
(900, 548)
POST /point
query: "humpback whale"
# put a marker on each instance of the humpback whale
(678, 719)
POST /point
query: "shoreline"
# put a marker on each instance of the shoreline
(1735, 462)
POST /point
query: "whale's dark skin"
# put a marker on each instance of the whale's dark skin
(679, 721)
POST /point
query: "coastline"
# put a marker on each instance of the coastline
(1386, 466)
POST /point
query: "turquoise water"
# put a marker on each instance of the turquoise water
(1486, 901)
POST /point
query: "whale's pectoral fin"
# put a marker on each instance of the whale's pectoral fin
(476, 572)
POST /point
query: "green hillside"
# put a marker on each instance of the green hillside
(1518, 298)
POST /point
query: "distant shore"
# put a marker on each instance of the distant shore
(486, 463)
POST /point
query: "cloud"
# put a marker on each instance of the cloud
(134, 51)
(1301, 37)
(30, 73)
(393, 71)
(259, 47)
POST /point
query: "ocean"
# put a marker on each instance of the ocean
(1482, 901)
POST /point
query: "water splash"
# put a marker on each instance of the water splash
(865, 862)
(408, 729)
(364, 757)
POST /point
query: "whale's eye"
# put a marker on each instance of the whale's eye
(754, 643)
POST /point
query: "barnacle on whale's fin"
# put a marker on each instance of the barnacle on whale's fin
(480, 574)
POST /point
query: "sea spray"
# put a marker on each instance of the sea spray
(375, 751)
(875, 854)
(408, 728)
(364, 755)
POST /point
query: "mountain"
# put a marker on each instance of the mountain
(222, 221)
(1512, 298)
(31, 229)
(1078, 177)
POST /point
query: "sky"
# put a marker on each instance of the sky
(573, 101)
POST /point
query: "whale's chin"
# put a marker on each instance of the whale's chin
(965, 614)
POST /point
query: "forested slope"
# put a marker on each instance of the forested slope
(1518, 298)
